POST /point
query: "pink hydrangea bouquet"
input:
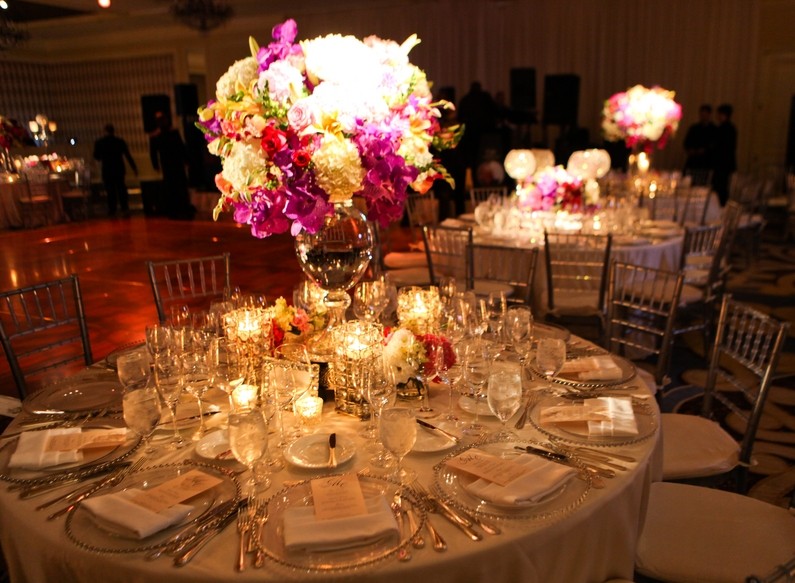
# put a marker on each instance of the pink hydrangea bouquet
(300, 126)
(552, 189)
(642, 117)
(291, 324)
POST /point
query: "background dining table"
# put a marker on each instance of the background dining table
(589, 543)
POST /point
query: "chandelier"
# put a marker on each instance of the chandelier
(11, 34)
(203, 15)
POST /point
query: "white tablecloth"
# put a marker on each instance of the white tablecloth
(593, 543)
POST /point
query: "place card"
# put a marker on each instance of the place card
(588, 410)
(494, 469)
(588, 363)
(338, 497)
(177, 490)
(87, 440)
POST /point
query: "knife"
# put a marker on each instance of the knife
(430, 427)
(558, 457)
(332, 450)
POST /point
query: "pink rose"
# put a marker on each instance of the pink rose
(299, 116)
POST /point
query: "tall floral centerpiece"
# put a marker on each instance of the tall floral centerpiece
(11, 135)
(641, 117)
(552, 189)
(303, 127)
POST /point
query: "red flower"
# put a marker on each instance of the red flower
(278, 334)
(273, 141)
(301, 158)
(431, 342)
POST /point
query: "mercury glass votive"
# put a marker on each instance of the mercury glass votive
(358, 349)
(250, 330)
(308, 411)
(419, 309)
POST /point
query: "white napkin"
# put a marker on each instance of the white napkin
(603, 416)
(592, 368)
(303, 532)
(31, 451)
(118, 509)
(542, 478)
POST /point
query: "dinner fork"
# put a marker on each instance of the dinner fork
(404, 552)
(468, 517)
(261, 519)
(243, 530)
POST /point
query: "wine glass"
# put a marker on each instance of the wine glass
(133, 369)
(504, 394)
(390, 290)
(196, 381)
(180, 316)
(369, 300)
(248, 440)
(550, 357)
(287, 380)
(381, 393)
(169, 383)
(494, 308)
(427, 370)
(302, 376)
(158, 339)
(398, 431)
(226, 366)
(141, 409)
(447, 290)
(518, 329)
(476, 374)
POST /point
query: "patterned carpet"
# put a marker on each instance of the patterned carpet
(764, 279)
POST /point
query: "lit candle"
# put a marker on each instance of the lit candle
(308, 410)
(643, 163)
(244, 397)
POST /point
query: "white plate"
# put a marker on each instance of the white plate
(216, 444)
(187, 415)
(312, 451)
(75, 396)
(429, 441)
(468, 405)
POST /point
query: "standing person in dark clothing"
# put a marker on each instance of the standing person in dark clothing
(725, 156)
(111, 152)
(169, 156)
(478, 112)
(700, 142)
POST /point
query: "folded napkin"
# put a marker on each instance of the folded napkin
(304, 532)
(541, 479)
(603, 416)
(592, 368)
(32, 454)
(118, 510)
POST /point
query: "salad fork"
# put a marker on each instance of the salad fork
(243, 529)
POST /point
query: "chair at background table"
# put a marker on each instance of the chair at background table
(665, 207)
(694, 534)
(641, 309)
(76, 198)
(510, 269)
(37, 203)
(421, 210)
(186, 281)
(577, 270)
(695, 206)
(699, 177)
(481, 194)
(449, 253)
(43, 327)
(743, 359)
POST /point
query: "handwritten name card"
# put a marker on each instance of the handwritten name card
(87, 440)
(176, 490)
(489, 467)
(338, 497)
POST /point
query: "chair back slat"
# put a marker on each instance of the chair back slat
(513, 266)
(576, 263)
(43, 327)
(449, 253)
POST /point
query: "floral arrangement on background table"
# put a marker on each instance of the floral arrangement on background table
(552, 189)
(642, 117)
(300, 126)
(406, 353)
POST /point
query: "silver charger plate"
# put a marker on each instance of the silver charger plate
(452, 485)
(113, 356)
(350, 559)
(76, 396)
(545, 330)
(628, 372)
(646, 421)
(93, 460)
(89, 533)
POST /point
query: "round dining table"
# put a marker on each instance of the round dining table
(591, 541)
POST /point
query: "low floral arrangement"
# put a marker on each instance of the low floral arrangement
(642, 117)
(552, 189)
(291, 324)
(11, 134)
(300, 126)
(406, 353)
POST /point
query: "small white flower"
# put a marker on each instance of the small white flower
(241, 73)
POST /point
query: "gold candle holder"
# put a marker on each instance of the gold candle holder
(250, 330)
(419, 309)
(359, 347)
(308, 411)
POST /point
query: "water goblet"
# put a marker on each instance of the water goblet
(495, 306)
(476, 374)
(398, 431)
(504, 394)
(133, 369)
(196, 381)
(518, 329)
(141, 409)
(390, 290)
(369, 300)
(248, 440)
(158, 339)
(550, 357)
(382, 393)
(227, 369)
(169, 383)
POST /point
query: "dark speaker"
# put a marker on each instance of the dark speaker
(186, 97)
(791, 137)
(561, 99)
(150, 105)
(523, 89)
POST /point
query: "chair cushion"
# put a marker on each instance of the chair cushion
(405, 260)
(690, 295)
(410, 276)
(576, 304)
(484, 287)
(701, 535)
(695, 447)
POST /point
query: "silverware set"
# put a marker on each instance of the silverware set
(251, 520)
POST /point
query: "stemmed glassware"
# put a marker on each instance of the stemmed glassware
(248, 440)
(227, 369)
(141, 409)
(196, 380)
(427, 372)
(476, 374)
(390, 290)
(504, 393)
(133, 370)
(550, 357)
(382, 393)
(289, 377)
(158, 340)
(494, 308)
(169, 382)
(398, 430)
(518, 329)
(369, 300)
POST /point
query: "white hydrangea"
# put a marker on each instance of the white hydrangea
(244, 72)
(339, 59)
(284, 82)
(244, 165)
(397, 354)
(338, 167)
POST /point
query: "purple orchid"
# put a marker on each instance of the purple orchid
(282, 46)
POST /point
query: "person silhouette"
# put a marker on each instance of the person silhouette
(111, 151)
(725, 154)
(700, 142)
(168, 154)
